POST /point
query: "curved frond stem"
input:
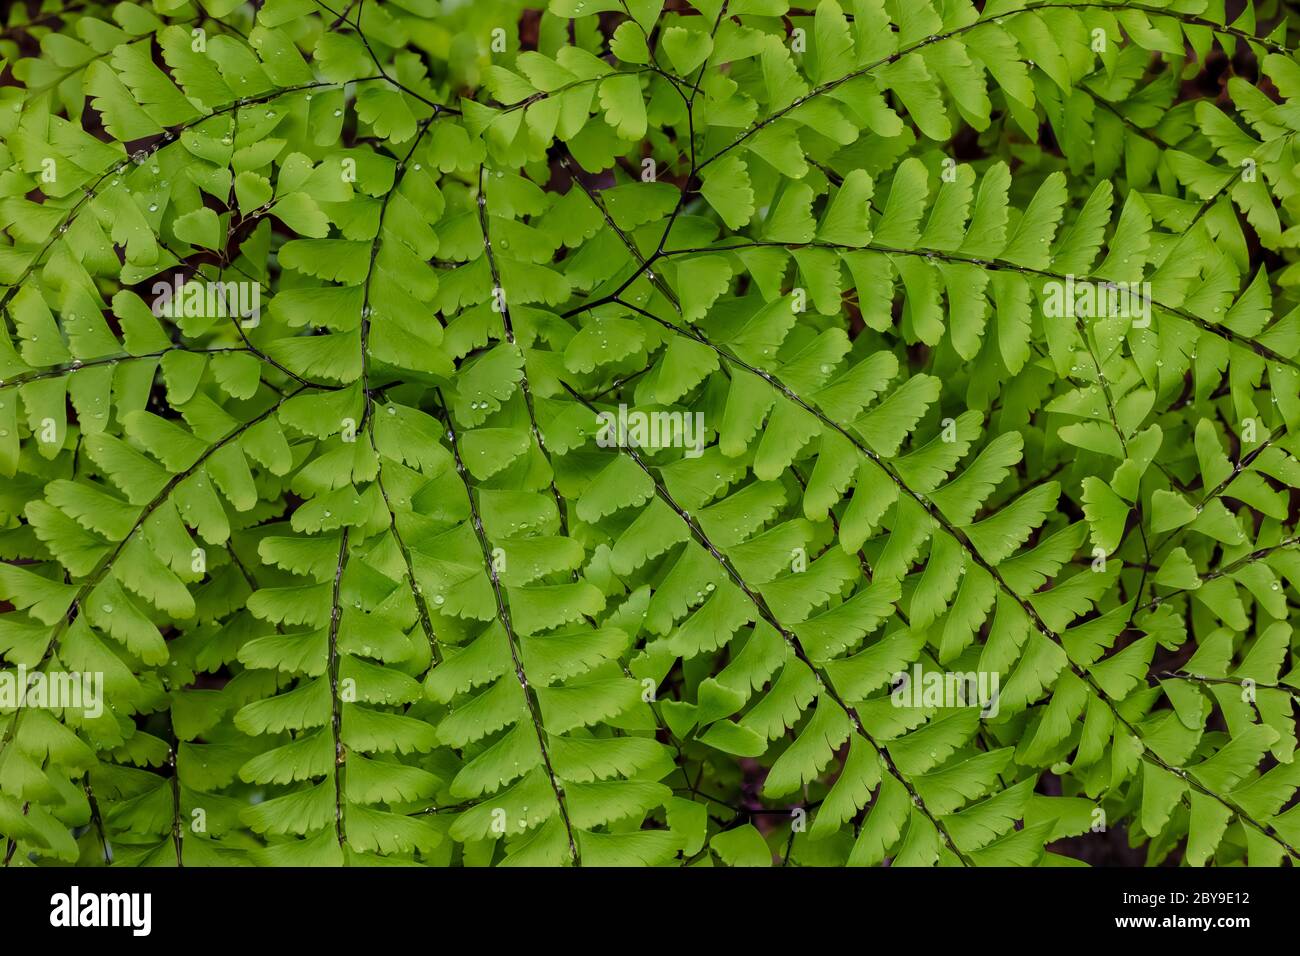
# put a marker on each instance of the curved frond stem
(525, 388)
(76, 366)
(501, 305)
(370, 267)
(1115, 111)
(644, 262)
(824, 684)
(831, 85)
(540, 95)
(901, 467)
(417, 593)
(1259, 554)
(165, 138)
(997, 265)
(107, 563)
(963, 540)
(503, 616)
(1218, 490)
(1236, 338)
(690, 135)
(1109, 396)
(236, 322)
(1230, 681)
(341, 18)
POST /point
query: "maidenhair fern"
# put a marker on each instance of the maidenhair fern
(641, 433)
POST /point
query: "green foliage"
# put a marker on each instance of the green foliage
(336, 516)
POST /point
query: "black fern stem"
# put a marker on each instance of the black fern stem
(831, 237)
(106, 565)
(336, 701)
(503, 615)
(960, 536)
(824, 684)
(501, 303)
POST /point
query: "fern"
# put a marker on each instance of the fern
(605, 434)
